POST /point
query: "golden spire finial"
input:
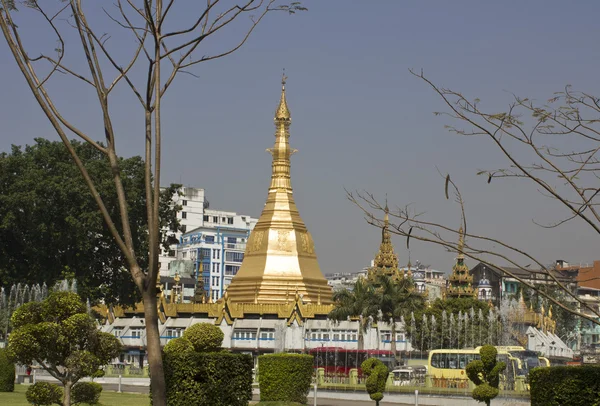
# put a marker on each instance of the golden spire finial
(282, 112)
(461, 243)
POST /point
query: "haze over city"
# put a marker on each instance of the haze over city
(360, 120)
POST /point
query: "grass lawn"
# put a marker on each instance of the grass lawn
(17, 398)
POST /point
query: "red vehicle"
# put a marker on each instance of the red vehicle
(339, 361)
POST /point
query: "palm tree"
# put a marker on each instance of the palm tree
(356, 303)
(396, 298)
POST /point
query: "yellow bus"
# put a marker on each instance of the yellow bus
(544, 362)
(527, 359)
(447, 368)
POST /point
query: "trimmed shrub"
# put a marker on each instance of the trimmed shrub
(377, 374)
(7, 372)
(285, 377)
(485, 374)
(204, 337)
(208, 379)
(178, 346)
(44, 394)
(573, 386)
(86, 392)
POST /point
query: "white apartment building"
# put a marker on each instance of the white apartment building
(195, 215)
(214, 250)
(193, 203)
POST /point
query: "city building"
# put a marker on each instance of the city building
(213, 252)
(193, 203)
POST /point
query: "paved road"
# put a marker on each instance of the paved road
(325, 398)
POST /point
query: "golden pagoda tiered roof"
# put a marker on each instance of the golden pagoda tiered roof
(280, 253)
(386, 260)
(460, 282)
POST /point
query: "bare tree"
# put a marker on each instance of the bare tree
(552, 145)
(163, 48)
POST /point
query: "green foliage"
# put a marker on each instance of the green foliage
(86, 392)
(44, 393)
(391, 298)
(573, 386)
(485, 374)
(377, 374)
(7, 372)
(65, 337)
(204, 337)
(285, 377)
(178, 346)
(207, 379)
(98, 374)
(43, 198)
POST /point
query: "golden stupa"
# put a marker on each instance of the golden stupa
(386, 260)
(280, 254)
(461, 282)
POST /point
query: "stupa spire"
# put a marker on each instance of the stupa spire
(280, 251)
(386, 260)
(461, 282)
(283, 113)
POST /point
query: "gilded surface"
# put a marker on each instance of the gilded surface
(386, 260)
(285, 256)
(461, 282)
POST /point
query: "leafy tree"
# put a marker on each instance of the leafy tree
(355, 303)
(377, 375)
(485, 373)
(60, 336)
(51, 227)
(396, 299)
(154, 46)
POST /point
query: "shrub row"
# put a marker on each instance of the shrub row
(46, 393)
(573, 386)
(7, 372)
(285, 377)
(208, 379)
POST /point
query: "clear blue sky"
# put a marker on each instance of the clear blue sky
(360, 120)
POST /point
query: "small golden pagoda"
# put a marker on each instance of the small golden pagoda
(460, 282)
(280, 253)
(386, 260)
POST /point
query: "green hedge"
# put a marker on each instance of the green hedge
(208, 379)
(7, 372)
(558, 386)
(284, 377)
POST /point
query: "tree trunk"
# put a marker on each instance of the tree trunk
(157, 375)
(361, 339)
(67, 393)
(393, 339)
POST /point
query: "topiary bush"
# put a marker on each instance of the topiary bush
(573, 386)
(86, 392)
(285, 377)
(204, 337)
(207, 379)
(377, 375)
(44, 394)
(7, 372)
(178, 346)
(485, 373)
